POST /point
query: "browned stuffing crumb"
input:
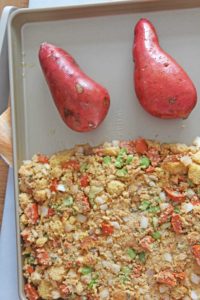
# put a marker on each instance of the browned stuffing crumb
(120, 221)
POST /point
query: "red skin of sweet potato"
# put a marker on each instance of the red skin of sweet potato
(161, 85)
(81, 102)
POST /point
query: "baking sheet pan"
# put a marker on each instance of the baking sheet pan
(100, 37)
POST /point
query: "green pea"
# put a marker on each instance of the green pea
(131, 253)
(129, 159)
(86, 270)
(122, 172)
(142, 257)
(84, 167)
(154, 209)
(144, 205)
(68, 201)
(144, 162)
(176, 209)
(122, 151)
(126, 270)
(107, 160)
(119, 163)
(156, 235)
(93, 282)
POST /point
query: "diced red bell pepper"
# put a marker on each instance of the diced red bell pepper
(137, 271)
(88, 243)
(195, 200)
(179, 275)
(51, 212)
(31, 211)
(174, 195)
(43, 159)
(71, 164)
(196, 253)
(150, 169)
(107, 229)
(164, 217)
(154, 156)
(42, 256)
(64, 290)
(69, 264)
(84, 181)
(176, 223)
(167, 278)
(141, 146)
(146, 243)
(85, 204)
(54, 184)
(30, 292)
(29, 269)
(26, 234)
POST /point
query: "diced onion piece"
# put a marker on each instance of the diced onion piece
(163, 206)
(190, 193)
(55, 295)
(99, 200)
(81, 218)
(110, 281)
(71, 274)
(115, 268)
(35, 277)
(187, 207)
(104, 294)
(79, 288)
(152, 183)
(150, 272)
(116, 225)
(186, 160)
(43, 211)
(35, 233)
(44, 171)
(47, 166)
(126, 219)
(61, 188)
(196, 141)
(68, 227)
(167, 257)
(109, 240)
(144, 222)
(195, 278)
(77, 236)
(103, 206)
(194, 295)
(163, 289)
(162, 196)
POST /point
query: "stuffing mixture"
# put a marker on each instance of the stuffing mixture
(120, 222)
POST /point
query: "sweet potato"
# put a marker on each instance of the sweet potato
(161, 85)
(81, 102)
